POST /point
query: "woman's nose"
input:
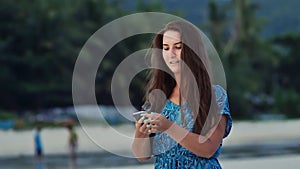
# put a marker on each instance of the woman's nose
(172, 52)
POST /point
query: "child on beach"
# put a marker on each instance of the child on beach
(73, 142)
(38, 143)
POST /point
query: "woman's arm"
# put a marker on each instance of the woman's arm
(141, 146)
(199, 145)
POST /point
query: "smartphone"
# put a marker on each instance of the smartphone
(137, 115)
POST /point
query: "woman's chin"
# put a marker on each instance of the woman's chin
(175, 71)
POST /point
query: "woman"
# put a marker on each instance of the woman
(186, 129)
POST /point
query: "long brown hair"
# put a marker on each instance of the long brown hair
(195, 83)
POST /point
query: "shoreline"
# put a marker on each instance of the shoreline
(118, 139)
(270, 144)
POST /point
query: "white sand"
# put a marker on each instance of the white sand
(267, 131)
(118, 140)
(55, 140)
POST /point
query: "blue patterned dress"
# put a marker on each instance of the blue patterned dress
(170, 155)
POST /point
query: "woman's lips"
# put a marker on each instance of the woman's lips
(174, 62)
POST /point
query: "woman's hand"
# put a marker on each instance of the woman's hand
(141, 146)
(157, 123)
(141, 127)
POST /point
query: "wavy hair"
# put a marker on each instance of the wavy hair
(196, 79)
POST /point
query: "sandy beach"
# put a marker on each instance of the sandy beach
(118, 139)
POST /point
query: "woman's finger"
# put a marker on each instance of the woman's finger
(152, 115)
(153, 130)
(156, 127)
(141, 120)
(142, 127)
(138, 123)
(154, 122)
(148, 115)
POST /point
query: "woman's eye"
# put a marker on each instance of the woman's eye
(178, 47)
(166, 48)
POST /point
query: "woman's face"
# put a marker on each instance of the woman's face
(172, 47)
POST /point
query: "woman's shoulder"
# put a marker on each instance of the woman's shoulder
(220, 92)
(219, 87)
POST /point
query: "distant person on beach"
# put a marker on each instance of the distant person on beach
(186, 114)
(38, 143)
(73, 142)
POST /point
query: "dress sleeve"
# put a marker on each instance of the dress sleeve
(222, 100)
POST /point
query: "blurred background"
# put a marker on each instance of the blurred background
(257, 41)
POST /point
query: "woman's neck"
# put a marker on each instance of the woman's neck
(175, 96)
(177, 79)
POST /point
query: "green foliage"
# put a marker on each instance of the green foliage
(40, 42)
(255, 67)
(142, 6)
(287, 102)
(7, 115)
(288, 71)
(287, 91)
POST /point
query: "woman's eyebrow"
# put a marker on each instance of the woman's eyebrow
(174, 43)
